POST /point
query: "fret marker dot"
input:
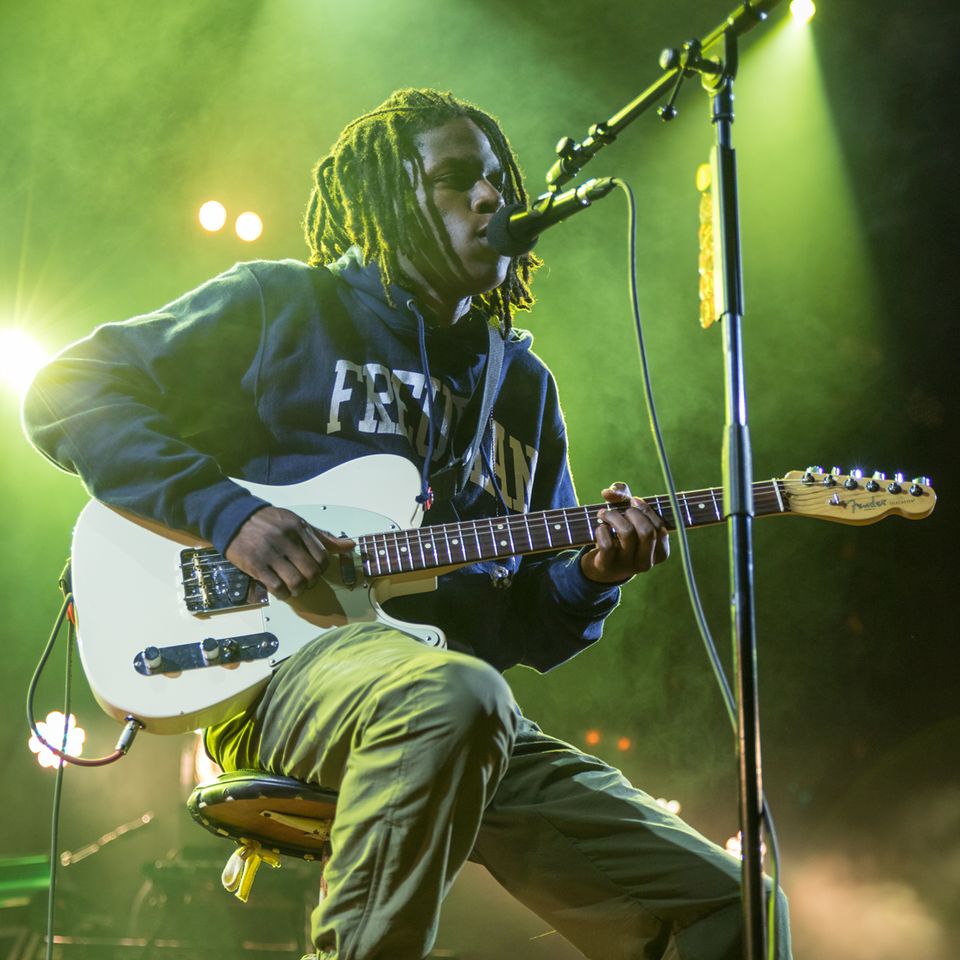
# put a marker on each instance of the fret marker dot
(454, 542)
(403, 549)
(702, 506)
(503, 543)
(383, 553)
(499, 526)
(556, 526)
(426, 546)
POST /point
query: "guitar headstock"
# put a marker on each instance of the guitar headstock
(857, 499)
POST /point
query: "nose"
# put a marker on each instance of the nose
(486, 198)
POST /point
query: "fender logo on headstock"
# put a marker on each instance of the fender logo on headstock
(872, 504)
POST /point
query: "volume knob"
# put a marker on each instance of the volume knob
(210, 650)
(152, 659)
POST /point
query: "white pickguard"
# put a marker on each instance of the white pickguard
(129, 596)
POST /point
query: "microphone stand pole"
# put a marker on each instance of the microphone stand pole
(738, 504)
(737, 463)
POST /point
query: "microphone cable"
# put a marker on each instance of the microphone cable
(692, 591)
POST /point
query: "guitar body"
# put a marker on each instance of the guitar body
(129, 595)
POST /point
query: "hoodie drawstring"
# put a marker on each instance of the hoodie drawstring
(425, 497)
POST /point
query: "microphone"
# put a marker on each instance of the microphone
(514, 229)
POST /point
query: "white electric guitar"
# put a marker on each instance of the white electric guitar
(173, 634)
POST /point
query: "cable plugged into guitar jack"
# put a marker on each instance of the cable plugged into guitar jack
(130, 731)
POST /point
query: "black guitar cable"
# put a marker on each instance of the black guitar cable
(133, 726)
(68, 613)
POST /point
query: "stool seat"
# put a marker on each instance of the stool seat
(287, 817)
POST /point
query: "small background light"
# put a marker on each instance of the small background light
(213, 215)
(52, 732)
(734, 847)
(20, 358)
(672, 806)
(593, 737)
(249, 226)
(802, 10)
(623, 743)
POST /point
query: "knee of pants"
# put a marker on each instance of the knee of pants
(466, 697)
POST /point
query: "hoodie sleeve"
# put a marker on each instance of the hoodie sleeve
(121, 407)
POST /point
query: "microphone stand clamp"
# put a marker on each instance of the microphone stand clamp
(687, 63)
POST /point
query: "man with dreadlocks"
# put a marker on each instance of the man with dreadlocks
(383, 343)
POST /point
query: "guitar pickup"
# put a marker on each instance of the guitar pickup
(212, 652)
(211, 583)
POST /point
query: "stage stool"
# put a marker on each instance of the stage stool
(269, 816)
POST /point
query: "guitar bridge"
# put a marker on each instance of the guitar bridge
(212, 583)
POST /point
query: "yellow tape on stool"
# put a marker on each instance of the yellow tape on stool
(241, 868)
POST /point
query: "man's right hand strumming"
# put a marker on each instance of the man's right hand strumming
(284, 552)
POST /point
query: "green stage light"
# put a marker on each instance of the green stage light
(803, 10)
(20, 358)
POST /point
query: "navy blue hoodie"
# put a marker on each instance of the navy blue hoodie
(274, 372)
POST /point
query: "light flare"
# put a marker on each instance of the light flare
(52, 731)
(249, 226)
(213, 215)
(20, 359)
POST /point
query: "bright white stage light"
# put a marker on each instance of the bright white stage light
(20, 358)
(249, 226)
(213, 215)
(802, 10)
(52, 732)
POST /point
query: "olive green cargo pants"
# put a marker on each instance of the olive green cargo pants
(434, 766)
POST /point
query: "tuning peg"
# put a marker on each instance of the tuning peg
(915, 489)
(923, 480)
(814, 469)
(836, 471)
(879, 476)
(873, 484)
(856, 473)
(896, 485)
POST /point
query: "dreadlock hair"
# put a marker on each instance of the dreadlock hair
(363, 194)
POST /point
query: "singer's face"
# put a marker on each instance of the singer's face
(458, 188)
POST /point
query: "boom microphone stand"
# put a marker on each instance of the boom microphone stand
(717, 77)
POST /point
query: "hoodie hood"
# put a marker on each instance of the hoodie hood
(370, 291)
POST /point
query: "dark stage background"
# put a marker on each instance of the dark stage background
(118, 120)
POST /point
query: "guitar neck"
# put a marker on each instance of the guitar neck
(453, 544)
